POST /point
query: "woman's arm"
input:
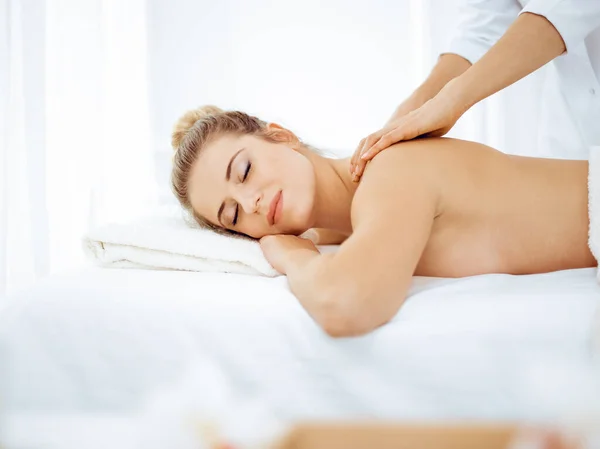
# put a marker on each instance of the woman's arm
(363, 284)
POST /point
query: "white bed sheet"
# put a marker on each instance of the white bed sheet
(106, 339)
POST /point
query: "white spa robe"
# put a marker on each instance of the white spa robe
(570, 110)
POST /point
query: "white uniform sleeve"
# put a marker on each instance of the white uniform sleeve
(482, 23)
(573, 19)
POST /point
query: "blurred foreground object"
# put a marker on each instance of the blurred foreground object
(423, 436)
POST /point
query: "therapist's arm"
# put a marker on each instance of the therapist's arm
(544, 30)
(531, 42)
(480, 26)
(448, 67)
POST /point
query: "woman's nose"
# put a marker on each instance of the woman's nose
(251, 203)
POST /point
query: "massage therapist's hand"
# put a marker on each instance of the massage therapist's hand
(281, 250)
(415, 101)
(433, 119)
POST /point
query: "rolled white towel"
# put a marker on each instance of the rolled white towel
(168, 242)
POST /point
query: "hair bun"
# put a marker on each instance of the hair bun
(187, 120)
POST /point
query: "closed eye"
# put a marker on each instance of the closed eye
(237, 206)
(235, 217)
(248, 167)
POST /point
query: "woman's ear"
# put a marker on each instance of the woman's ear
(281, 134)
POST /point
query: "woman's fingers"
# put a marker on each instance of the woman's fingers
(313, 235)
(322, 236)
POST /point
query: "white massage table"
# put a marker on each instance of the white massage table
(472, 348)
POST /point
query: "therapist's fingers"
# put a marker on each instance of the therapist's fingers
(357, 163)
(356, 155)
(410, 127)
(362, 163)
(392, 137)
(363, 146)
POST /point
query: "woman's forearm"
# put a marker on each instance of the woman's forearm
(305, 272)
(529, 43)
(313, 280)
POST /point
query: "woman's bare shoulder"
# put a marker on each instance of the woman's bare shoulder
(395, 177)
(436, 146)
(414, 156)
(430, 157)
(422, 168)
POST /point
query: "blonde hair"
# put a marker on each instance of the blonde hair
(190, 135)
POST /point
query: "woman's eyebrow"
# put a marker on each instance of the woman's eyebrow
(228, 171)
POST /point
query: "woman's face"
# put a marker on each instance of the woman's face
(252, 186)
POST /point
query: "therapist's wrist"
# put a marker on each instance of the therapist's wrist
(424, 93)
(413, 102)
(448, 67)
(461, 92)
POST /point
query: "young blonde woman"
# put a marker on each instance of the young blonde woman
(431, 207)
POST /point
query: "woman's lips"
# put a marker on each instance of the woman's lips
(275, 209)
(278, 209)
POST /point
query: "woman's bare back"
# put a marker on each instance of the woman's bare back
(447, 208)
(505, 214)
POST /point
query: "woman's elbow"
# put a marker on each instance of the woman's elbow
(342, 317)
(339, 326)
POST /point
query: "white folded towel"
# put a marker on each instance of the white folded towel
(168, 242)
(594, 203)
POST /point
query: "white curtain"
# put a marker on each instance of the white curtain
(89, 90)
(75, 131)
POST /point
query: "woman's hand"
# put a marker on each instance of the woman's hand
(280, 250)
(433, 119)
(322, 236)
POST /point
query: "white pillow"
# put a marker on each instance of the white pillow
(168, 241)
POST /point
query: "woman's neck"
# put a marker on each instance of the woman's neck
(334, 193)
